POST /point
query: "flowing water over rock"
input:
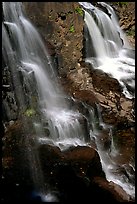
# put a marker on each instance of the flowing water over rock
(109, 50)
(53, 120)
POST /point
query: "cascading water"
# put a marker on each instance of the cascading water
(26, 57)
(24, 52)
(116, 26)
(113, 54)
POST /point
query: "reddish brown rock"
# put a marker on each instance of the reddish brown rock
(79, 158)
(76, 173)
(62, 26)
(126, 16)
(111, 190)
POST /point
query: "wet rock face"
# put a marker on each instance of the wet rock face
(95, 86)
(74, 174)
(61, 25)
(12, 107)
(9, 103)
(62, 30)
(126, 16)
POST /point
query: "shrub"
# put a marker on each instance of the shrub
(79, 11)
(72, 29)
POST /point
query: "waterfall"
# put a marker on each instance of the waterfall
(113, 54)
(116, 26)
(96, 36)
(53, 121)
(32, 57)
(27, 59)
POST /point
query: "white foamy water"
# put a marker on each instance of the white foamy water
(65, 128)
(113, 173)
(113, 170)
(27, 59)
(121, 68)
(113, 54)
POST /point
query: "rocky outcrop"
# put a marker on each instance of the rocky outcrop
(72, 175)
(61, 25)
(95, 87)
(9, 103)
(126, 15)
(55, 28)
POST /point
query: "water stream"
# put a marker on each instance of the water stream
(26, 56)
(110, 50)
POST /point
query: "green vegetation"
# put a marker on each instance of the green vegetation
(30, 112)
(131, 32)
(79, 11)
(72, 29)
(121, 3)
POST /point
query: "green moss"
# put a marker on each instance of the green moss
(30, 112)
(79, 11)
(72, 29)
(121, 3)
(131, 32)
